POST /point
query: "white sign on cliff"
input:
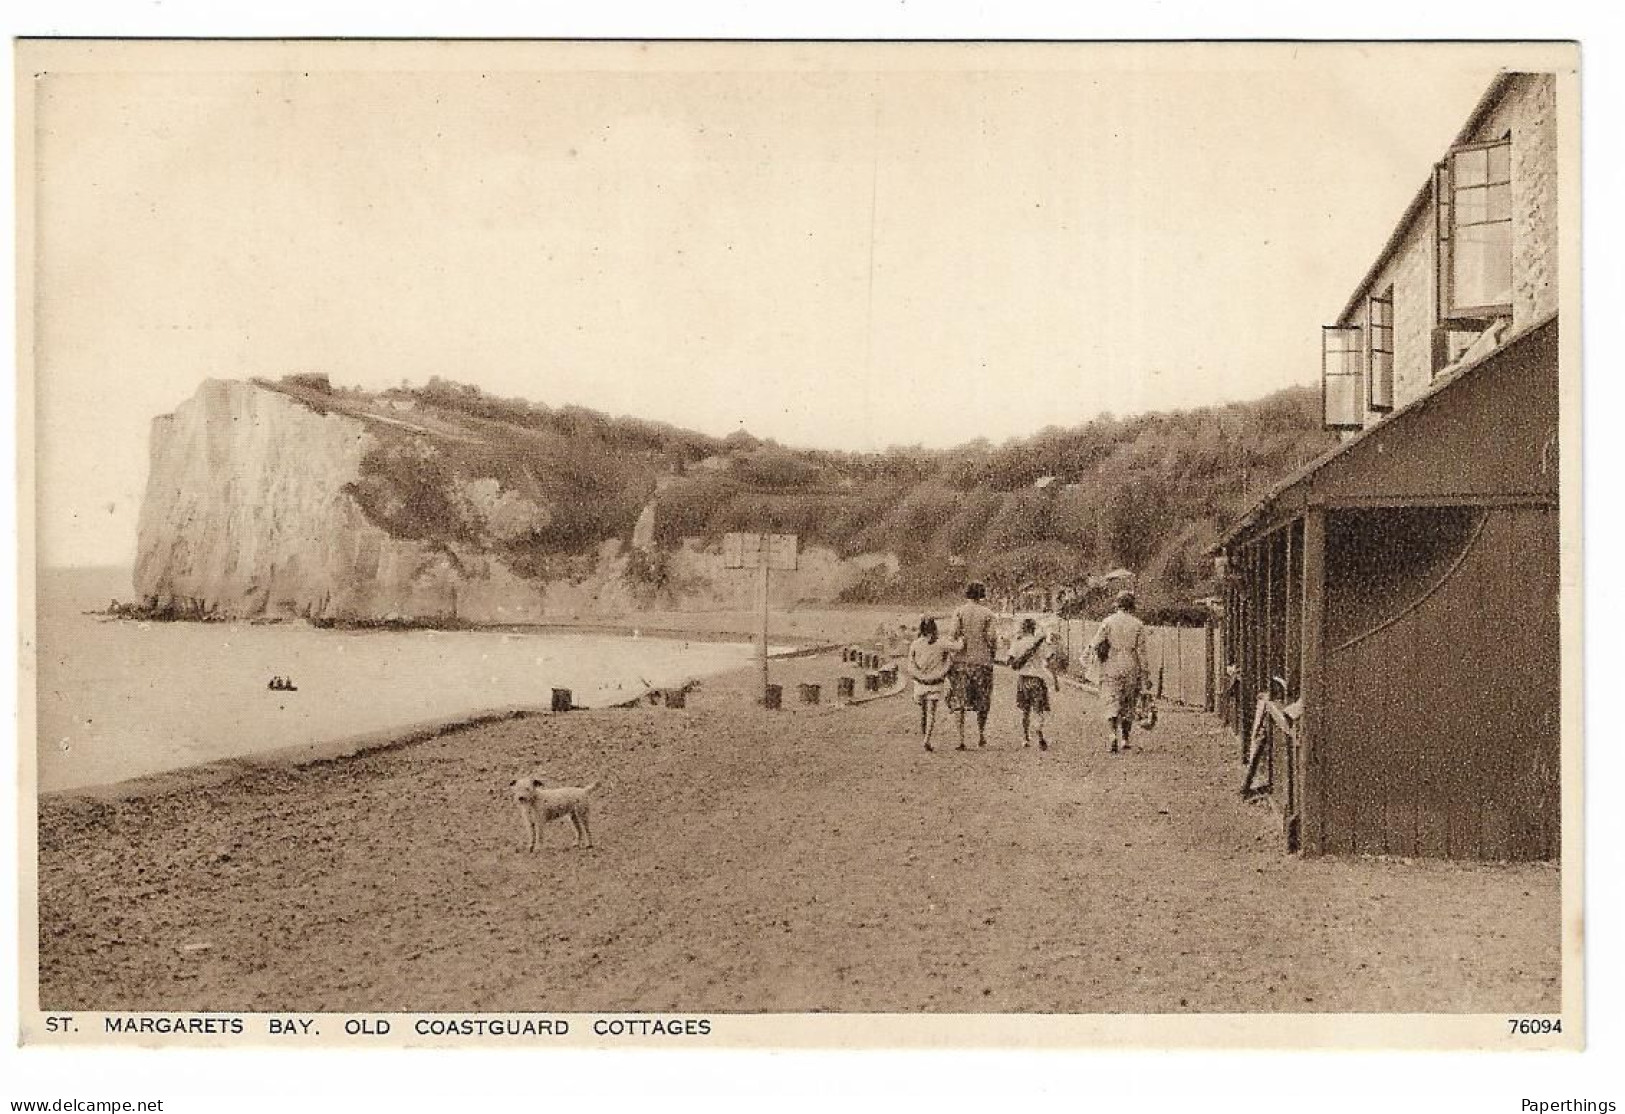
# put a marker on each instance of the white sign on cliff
(741, 551)
(745, 551)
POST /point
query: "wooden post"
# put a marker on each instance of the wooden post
(1294, 611)
(1232, 624)
(1257, 741)
(761, 651)
(1209, 696)
(761, 552)
(1249, 645)
(1179, 662)
(1266, 616)
(1312, 724)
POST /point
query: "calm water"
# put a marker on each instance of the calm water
(118, 699)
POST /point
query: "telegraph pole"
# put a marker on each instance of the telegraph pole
(761, 649)
(763, 552)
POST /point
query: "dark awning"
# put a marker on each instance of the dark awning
(1486, 433)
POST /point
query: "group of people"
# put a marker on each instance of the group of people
(956, 669)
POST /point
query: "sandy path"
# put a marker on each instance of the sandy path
(814, 860)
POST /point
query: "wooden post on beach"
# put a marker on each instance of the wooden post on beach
(762, 552)
(761, 649)
(1209, 688)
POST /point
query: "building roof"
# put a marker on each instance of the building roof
(1538, 342)
(1419, 203)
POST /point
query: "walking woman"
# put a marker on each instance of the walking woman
(929, 661)
(1119, 645)
(970, 685)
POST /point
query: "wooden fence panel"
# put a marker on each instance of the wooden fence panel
(1177, 656)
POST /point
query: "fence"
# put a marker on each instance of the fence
(1176, 656)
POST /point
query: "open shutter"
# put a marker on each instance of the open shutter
(1379, 331)
(1472, 192)
(1441, 257)
(1342, 376)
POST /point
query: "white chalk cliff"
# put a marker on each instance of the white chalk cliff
(247, 514)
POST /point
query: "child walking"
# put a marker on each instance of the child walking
(1033, 659)
(929, 661)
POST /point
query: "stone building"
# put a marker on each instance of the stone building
(1472, 261)
(1391, 615)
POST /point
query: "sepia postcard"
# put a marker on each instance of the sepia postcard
(680, 544)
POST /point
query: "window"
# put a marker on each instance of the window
(1472, 190)
(1449, 344)
(1379, 315)
(1342, 376)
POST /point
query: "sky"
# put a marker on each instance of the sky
(834, 247)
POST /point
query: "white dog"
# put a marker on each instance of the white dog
(538, 805)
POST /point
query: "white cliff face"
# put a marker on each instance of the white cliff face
(246, 515)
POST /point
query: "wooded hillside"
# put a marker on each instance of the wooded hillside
(1148, 493)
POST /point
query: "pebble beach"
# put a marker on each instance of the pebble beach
(811, 859)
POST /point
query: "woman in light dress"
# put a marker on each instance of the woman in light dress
(1119, 645)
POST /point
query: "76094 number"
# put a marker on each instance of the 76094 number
(1528, 1026)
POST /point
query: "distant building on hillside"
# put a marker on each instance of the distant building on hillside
(1402, 590)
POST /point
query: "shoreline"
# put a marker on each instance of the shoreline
(220, 771)
(698, 626)
(385, 626)
(134, 750)
(805, 631)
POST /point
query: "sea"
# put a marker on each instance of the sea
(122, 698)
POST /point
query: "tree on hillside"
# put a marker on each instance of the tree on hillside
(775, 467)
(1136, 520)
(740, 441)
